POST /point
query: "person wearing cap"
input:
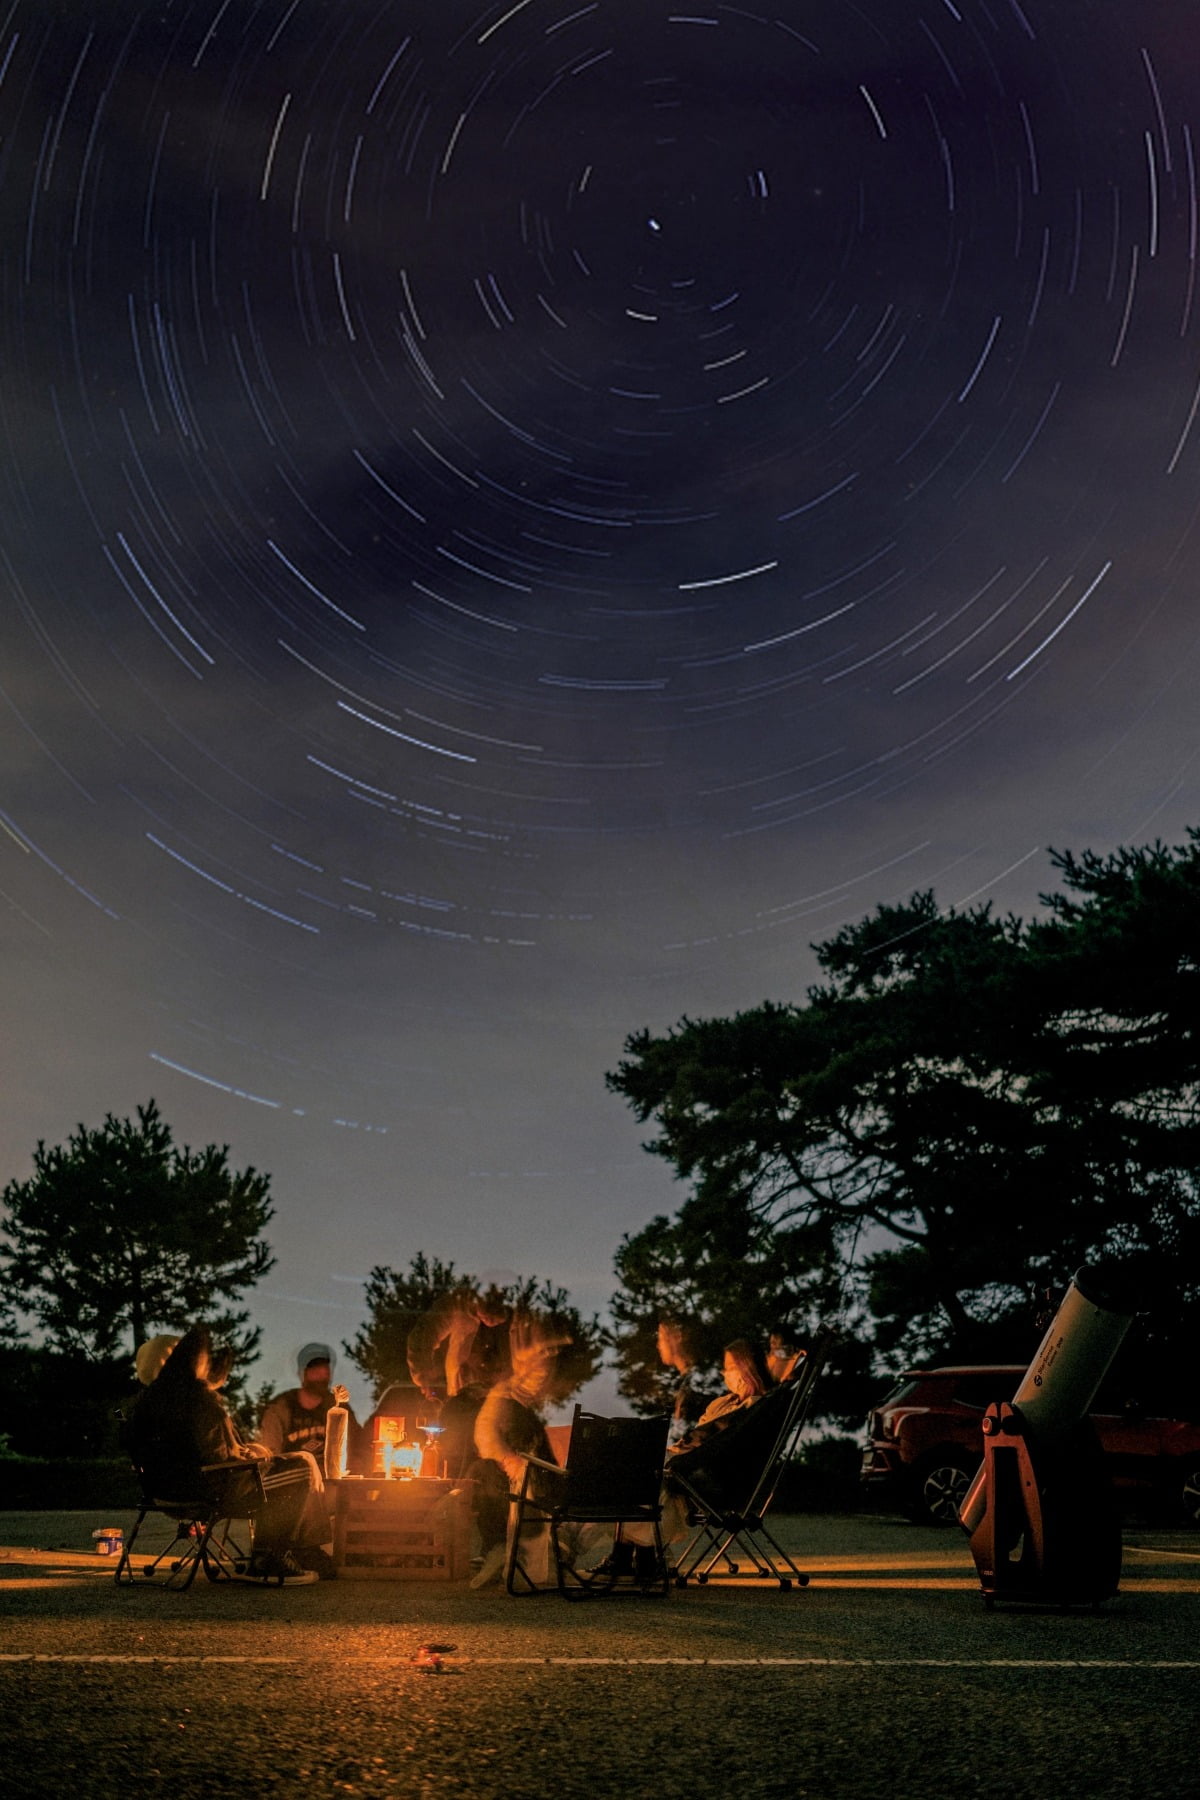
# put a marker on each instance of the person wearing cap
(295, 1420)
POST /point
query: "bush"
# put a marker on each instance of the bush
(822, 1478)
(72, 1484)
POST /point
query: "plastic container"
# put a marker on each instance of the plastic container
(109, 1540)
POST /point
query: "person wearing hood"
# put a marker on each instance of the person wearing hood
(295, 1420)
(180, 1431)
(152, 1355)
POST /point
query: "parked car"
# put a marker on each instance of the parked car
(925, 1442)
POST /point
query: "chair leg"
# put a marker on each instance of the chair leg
(708, 1546)
(224, 1557)
(192, 1558)
(123, 1573)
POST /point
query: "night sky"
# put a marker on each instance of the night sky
(516, 520)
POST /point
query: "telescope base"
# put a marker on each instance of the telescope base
(1050, 1535)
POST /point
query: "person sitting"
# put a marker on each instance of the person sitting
(296, 1419)
(785, 1356)
(510, 1427)
(747, 1379)
(746, 1382)
(676, 1351)
(179, 1428)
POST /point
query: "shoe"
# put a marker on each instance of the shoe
(619, 1561)
(491, 1568)
(276, 1570)
(319, 1561)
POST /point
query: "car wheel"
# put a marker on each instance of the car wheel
(1189, 1492)
(940, 1486)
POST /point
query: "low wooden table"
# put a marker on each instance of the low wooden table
(392, 1530)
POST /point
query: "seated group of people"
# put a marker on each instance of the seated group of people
(183, 1438)
(509, 1427)
(490, 1375)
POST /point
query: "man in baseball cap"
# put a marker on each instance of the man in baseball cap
(295, 1419)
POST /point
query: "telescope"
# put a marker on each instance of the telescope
(1041, 1513)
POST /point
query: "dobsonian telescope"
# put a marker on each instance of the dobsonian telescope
(1041, 1512)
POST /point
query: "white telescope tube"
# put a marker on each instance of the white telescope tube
(1060, 1384)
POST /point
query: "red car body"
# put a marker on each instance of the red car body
(925, 1441)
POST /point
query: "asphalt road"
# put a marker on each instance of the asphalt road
(886, 1677)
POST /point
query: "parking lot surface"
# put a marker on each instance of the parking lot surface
(885, 1677)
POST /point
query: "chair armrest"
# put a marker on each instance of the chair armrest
(538, 1462)
(250, 1470)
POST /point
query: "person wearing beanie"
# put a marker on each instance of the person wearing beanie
(295, 1420)
(152, 1355)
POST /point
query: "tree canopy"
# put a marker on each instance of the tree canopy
(967, 1107)
(120, 1233)
(397, 1299)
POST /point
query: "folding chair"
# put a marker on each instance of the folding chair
(612, 1476)
(729, 1481)
(202, 1521)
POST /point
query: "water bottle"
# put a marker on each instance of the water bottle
(337, 1437)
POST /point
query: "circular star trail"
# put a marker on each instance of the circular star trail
(516, 519)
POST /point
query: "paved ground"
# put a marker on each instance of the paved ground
(886, 1677)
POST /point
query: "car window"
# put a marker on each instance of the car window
(989, 1384)
(904, 1390)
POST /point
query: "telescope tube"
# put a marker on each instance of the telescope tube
(1060, 1384)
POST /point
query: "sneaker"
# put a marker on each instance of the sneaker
(293, 1571)
(319, 1561)
(619, 1561)
(277, 1570)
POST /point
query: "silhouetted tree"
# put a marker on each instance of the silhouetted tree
(397, 1299)
(119, 1234)
(978, 1104)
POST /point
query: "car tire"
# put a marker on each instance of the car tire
(939, 1487)
(1189, 1491)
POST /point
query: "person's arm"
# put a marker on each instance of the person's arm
(714, 1418)
(272, 1426)
(212, 1429)
(503, 1430)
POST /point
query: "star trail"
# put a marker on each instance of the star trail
(515, 520)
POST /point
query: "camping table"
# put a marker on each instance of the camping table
(394, 1530)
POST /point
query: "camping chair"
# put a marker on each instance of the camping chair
(729, 1481)
(612, 1476)
(202, 1520)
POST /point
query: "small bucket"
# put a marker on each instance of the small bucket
(109, 1540)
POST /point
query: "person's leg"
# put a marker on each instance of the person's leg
(490, 1502)
(296, 1514)
(456, 1445)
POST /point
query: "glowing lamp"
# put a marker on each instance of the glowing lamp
(402, 1461)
